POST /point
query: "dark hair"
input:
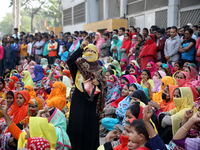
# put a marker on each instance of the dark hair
(133, 84)
(183, 75)
(52, 37)
(132, 27)
(11, 37)
(110, 71)
(46, 36)
(189, 30)
(52, 110)
(199, 26)
(41, 55)
(127, 34)
(128, 85)
(106, 34)
(61, 78)
(134, 109)
(3, 81)
(124, 78)
(161, 31)
(178, 91)
(174, 27)
(122, 28)
(148, 72)
(75, 32)
(168, 28)
(10, 93)
(140, 128)
(146, 30)
(16, 29)
(127, 30)
(16, 39)
(65, 46)
(116, 30)
(112, 67)
(8, 42)
(179, 63)
(195, 26)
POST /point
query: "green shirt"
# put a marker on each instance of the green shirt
(45, 50)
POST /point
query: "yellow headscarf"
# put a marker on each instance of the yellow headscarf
(90, 57)
(167, 80)
(174, 76)
(30, 90)
(182, 105)
(27, 79)
(39, 127)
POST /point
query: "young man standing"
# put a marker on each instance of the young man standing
(172, 45)
(45, 47)
(52, 48)
(145, 32)
(105, 47)
(121, 33)
(9, 56)
(160, 46)
(30, 46)
(16, 33)
(38, 47)
(62, 42)
(131, 32)
(14, 46)
(167, 35)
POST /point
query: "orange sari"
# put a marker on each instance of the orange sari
(30, 90)
(57, 97)
(167, 106)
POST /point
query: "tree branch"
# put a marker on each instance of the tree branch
(38, 8)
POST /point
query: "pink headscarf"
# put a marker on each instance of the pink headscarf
(170, 67)
(134, 41)
(99, 41)
(31, 70)
(123, 67)
(153, 69)
(193, 74)
(130, 79)
(187, 83)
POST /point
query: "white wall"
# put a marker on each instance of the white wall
(72, 28)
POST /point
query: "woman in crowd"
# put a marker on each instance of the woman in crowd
(148, 52)
(123, 64)
(126, 45)
(89, 110)
(131, 54)
(39, 74)
(115, 48)
(98, 41)
(26, 78)
(30, 90)
(158, 75)
(74, 46)
(3, 88)
(12, 81)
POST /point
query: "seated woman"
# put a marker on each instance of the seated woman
(181, 137)
(151, 66)
(183, 100)
(34, 105)
(167, 71)
(30, 90)
(19, 69)
(136, 71)
(109, 72)
(158, 75)
(3, 88)
(12, 81)
(184, 81)
(167, 102)
(123, 64)
(192, 73)
(157, 97)
(31, 70)
(113, 89)
(51, 126)
(175, 76)
(177, 67)
(26, 78)
(39, 74)
(20, 109)
(118, 68)
(57, 97)
(127, 79)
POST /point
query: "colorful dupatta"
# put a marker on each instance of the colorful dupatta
(4, 90)
(59, 122)
(118, 44)
(27, 79)
(74, 46)
(99, 41)
(30, 90)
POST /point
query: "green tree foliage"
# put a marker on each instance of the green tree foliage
(6, 24)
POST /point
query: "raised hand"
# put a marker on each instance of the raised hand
(147, 112)
(188, 113)
(4, 108)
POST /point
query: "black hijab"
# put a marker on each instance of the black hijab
(141, 95)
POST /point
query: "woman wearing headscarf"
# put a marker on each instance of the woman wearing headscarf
(30, 90)
(12, 81)
(57, 97)
(31, 70)
(12, 72)
(135, 70)
(148, 52)
(34, 105)
(88, 111)
(151, 66)
(138, 47)
(170, 121)
(19, 68)
(67, 83)
(192, 73)
(26, 78)
(44, 63)
(32, 63)
(118, 68)
(18, 76)
(157, 97)
(123, 63)
(184, 81)
(125, 47)
(75, 45)
(127, 79)
(98, 41)
(158, 75)
(115, 47)
(39, 73)
(114, 88)
(131, 54)
(3, 88)
(20, 109)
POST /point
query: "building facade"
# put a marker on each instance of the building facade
(99, 15)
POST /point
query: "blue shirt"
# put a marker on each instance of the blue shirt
(60, 44)
(189, 55)
(64, 55)
(14, 47)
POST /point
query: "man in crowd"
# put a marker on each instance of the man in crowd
(105, 47)
(121, 33)
(38, 47)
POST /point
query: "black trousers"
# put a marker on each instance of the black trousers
(52, 59)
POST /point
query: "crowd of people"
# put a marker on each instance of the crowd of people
(139, 91)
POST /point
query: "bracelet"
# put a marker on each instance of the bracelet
(152, 136)
(184, 129)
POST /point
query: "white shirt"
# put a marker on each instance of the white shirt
(30, 46)
(121, 38)
(18, 36)
(39, 51)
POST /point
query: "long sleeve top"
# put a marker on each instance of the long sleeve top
(9, 53)
(51, 46)
(105, 48)
(64, 55)
(1, 52)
